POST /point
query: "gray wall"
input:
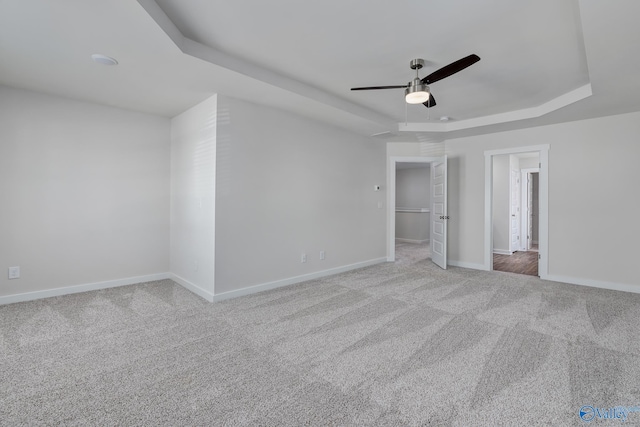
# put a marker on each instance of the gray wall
(529, 162)
(84, 190)
(193, 181)
(608, 145)
(413, 187)
(286, 184)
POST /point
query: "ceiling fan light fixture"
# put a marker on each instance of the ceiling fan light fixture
(419, 97)
(417, 92)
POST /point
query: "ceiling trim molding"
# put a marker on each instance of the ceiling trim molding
(163, 21)
(510, 116)
(217, 57)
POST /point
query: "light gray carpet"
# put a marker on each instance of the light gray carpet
(393, 344)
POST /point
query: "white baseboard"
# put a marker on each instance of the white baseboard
(293, 280)
(398, 239)
(29, 296)
(193, 288)
(593, 283)
(470, 265)
(502, 252)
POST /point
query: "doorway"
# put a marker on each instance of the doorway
(514, 218)
(424, 214)
(510, 217)
(412, 208)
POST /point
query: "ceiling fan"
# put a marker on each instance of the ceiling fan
(417, 91)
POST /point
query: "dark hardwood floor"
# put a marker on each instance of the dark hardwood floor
(519, 262)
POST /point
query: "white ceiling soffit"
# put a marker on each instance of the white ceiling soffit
(255, 70)
(543, 61)
(533, 55)
(509, 116)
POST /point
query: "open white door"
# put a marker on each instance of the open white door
(529, 211)
(515, 211)
(439, 212)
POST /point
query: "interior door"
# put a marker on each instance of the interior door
(529, 211)
(439, 212)
(515, 211)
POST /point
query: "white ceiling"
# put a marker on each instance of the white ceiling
(543, 61)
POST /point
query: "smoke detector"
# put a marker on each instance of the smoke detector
(103, 59)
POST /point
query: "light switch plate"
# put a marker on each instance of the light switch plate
(14, 272)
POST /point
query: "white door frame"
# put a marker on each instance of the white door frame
(524, 215)
(391, 198)
(543, 209)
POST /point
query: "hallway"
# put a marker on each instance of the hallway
(519, 262)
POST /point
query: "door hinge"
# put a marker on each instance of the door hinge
(539, 257)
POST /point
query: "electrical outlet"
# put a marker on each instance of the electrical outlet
(321, 255)
(303, 258)
(14, 272)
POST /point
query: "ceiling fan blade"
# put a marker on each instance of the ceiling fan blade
(379, 87)
(450, 69)
(431, 102)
